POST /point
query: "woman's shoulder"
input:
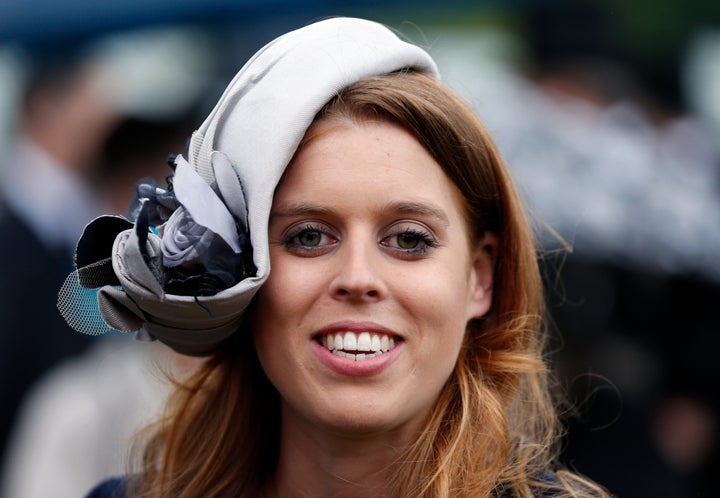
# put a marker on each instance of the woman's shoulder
(109, 488)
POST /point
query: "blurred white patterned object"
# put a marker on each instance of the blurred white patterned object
(701, 76)
(616, 185)
(77, 425)
(154, 72)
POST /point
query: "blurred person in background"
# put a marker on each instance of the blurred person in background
(654, 165)
(46, 196)
(83, 142)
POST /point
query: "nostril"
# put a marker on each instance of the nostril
(349, 293)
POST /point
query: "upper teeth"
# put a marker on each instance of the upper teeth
(364, 341)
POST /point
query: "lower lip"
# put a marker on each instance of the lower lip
(356, 368)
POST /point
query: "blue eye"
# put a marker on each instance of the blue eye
(308, 240)
(410, 242)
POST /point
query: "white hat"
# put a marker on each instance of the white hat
(236, 159)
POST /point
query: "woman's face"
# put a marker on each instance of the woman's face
(373, 280)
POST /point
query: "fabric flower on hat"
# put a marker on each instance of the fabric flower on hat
(182, 244)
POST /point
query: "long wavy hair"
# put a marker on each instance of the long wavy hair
(493, 431)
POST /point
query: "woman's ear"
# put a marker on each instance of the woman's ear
(484, 256)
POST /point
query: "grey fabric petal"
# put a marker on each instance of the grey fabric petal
(131, 267)
(179, 234)
(118, 310)
(203, 204)
(230, 187)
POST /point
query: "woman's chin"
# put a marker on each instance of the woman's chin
(368, 422)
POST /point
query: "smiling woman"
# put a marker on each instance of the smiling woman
(384, 256)
(396, 347)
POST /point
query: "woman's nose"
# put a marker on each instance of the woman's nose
(358, 274)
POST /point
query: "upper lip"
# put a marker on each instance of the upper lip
(357, 327)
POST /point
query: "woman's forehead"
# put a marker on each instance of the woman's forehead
(370, 163)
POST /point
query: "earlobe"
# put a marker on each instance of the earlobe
(483, 269)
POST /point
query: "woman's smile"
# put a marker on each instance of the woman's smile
(356, 348)
(374, 278)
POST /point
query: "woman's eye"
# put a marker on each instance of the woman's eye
(309, 240)
(410, 242)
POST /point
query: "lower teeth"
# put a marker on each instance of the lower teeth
(356, 356)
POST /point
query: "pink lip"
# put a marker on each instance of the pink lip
(362, 368)
(352, 326)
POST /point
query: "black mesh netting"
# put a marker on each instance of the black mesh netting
(77, 298)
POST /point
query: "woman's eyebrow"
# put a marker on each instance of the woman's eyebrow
(300, 209)
(421, 209)
(406, 208)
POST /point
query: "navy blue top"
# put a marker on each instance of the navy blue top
(110, 488)
(115, 488)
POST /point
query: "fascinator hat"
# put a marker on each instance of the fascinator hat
(186, 264)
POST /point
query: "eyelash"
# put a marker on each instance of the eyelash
(424, 238)
(426, 241)
(292, 242)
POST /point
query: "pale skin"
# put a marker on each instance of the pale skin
(368, 236)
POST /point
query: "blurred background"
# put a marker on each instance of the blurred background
(607, 112)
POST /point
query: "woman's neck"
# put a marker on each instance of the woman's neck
(314, 462)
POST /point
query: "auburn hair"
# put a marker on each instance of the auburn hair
(493, 430)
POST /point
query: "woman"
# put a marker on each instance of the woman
(396, 347)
